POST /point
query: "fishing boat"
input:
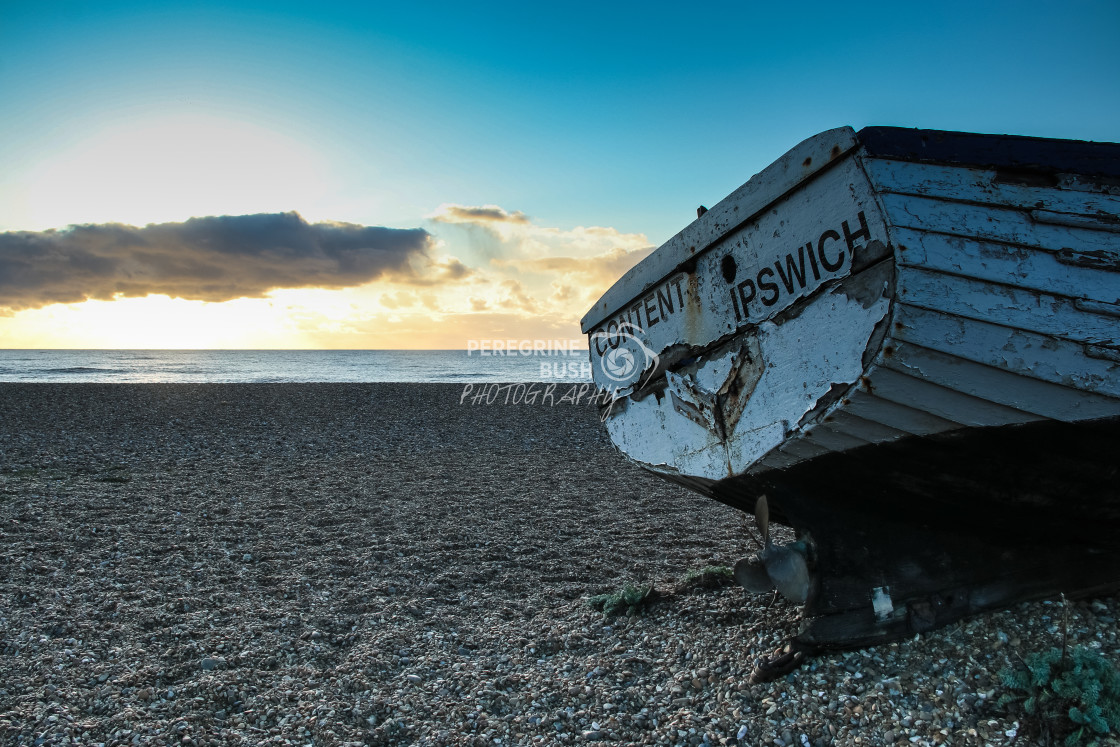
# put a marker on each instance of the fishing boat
(905, 345)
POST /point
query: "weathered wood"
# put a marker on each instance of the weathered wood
(1040, 398)
(1025, 156)
(946, 402)
(804, 449)
(1027, 309)
(713, 226)
(1019, 351)
(1024, 267)
(869, 431)
(901, 416)
(834, 436)
(775, 459)
(928, 326)
(996, 224)
(757, 275)
(1097, 221)
(984, 187)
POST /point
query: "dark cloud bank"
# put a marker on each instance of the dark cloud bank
(208, 259)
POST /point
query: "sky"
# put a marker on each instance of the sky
(424, 175)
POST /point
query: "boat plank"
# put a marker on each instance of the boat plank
(1006, 305)
(841, 431)
(999, 386)
(942, 401)
(834, 437)
(1025, 155)
(993, 224)
(1025, 353)
(1023, 267)
(868, 430)
(776, 460)
(1099, 222)
(984, 186)
(803, 449)
(895, 415)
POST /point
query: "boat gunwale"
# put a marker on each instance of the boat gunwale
(1026, 153)
(772, 185)
(1000, 152)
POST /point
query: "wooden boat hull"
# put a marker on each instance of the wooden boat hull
(910, 342)
(948, 525)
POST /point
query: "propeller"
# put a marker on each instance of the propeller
(780, 567)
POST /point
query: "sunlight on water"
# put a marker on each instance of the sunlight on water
(275, 366)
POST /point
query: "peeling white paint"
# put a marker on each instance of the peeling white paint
(877, 299)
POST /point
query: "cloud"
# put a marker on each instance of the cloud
(609, 265)
(453, 331)
(215, 258)
(562, 293)
(518, 297)
(398, 300)
(511, 241)
(485, 214)
(535, 272)
(438, 272)
(593, 274)
(307, 285)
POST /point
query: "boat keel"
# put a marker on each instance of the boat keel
(909, 536)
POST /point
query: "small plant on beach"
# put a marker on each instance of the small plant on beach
(708, 577)
(1073, 692)
(629, 598)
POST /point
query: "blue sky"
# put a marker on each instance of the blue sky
(624, 116)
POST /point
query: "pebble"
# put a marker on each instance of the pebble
(407, 580)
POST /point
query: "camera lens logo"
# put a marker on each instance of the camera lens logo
(622, 353)
(619, 364)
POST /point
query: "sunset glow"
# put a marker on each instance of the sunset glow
(235, 176)
(172, 168)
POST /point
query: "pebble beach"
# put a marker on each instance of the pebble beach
(397, 564)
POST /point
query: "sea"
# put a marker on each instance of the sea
(278, 366)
